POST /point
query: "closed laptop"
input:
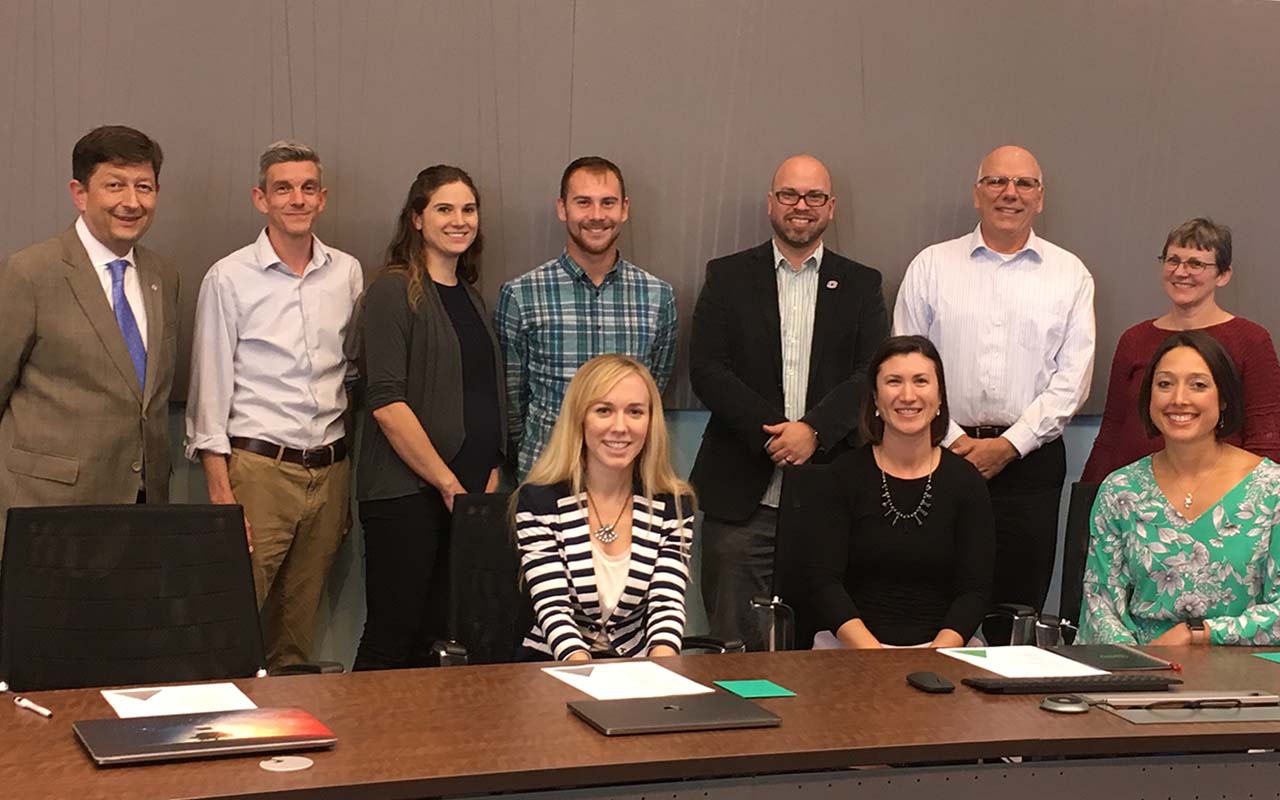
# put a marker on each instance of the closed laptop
(217, 733)
(694, 712)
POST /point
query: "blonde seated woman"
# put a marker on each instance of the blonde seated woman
(603, 524)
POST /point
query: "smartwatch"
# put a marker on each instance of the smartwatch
(1199, 633)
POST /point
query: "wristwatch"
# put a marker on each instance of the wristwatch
(1199, 633)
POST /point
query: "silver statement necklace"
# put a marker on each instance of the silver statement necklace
(605, 534)
(891, 510)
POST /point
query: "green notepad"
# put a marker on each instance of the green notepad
(755, 688)
(1272, 657)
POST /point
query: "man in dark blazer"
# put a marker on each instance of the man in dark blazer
(782, 334)
(88, 341)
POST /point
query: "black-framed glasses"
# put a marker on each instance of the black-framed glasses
(1172, 705)
(813, 199)
(1194, 265)
(997, 183)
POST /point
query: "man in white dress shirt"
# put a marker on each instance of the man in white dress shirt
(265, 412)
(1012, 316)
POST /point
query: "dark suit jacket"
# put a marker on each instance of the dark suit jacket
(75, 426)
(735, 361)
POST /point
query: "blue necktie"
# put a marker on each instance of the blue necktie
(125, 319)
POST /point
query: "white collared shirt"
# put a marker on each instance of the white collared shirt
(797, 301)
(1016, 333)
(267, 360)
(100, 257)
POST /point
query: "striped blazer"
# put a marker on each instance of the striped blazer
(555, 556)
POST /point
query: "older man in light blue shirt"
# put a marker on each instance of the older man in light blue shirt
(265, 414)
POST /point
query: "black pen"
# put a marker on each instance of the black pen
(23, 702)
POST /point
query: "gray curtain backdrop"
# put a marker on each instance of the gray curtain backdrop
(1143, 113)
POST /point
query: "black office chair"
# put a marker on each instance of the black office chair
(1015, 624)
(805, 489)
(135, 594)
(1075, 549)
(490, 612)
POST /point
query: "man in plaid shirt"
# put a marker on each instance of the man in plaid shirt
(587, 301)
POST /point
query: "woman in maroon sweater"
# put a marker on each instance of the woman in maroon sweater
(1196, 262)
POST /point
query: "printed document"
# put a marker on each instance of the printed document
(619, 680)
(1021, 661)
(157, 701)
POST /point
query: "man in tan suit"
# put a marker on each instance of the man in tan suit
(88, 339)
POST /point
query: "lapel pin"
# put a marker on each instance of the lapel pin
(832, 284)
(155, 288)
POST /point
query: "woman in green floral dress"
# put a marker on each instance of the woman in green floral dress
(1181, 548)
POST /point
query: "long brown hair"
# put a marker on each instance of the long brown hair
(405, 253)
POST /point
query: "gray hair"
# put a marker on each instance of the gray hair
(284, 151)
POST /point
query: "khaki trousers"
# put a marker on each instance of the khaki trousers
(298, 517)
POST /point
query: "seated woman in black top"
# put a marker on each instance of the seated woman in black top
(903, 542)
(436, 419)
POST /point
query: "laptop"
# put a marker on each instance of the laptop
(691, 712)
(1111, 657)
(138, 740)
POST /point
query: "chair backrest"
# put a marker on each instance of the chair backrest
(1075, 549)
(489, 612)
(134, 594)
(805, 490)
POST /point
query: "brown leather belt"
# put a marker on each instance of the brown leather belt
(985, 431)
(314, 458)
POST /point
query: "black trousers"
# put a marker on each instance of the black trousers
(1025, 497)
(737, 567)
(406, 556)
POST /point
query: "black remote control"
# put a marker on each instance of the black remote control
(930, 682)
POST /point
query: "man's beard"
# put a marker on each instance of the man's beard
(596, 250)
(814, 232)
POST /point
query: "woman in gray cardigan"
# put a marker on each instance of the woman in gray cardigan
(436, 424)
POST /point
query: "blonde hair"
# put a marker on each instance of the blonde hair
(563, 460)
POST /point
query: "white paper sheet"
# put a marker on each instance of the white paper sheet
(156, 701)
(618, 680)
(1021, 661)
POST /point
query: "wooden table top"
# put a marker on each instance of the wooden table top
(505, 728)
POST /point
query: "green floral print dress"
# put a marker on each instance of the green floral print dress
(1150, 568)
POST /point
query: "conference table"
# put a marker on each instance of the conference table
(853, 728)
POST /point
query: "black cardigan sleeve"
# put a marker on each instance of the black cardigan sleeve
(386, 321)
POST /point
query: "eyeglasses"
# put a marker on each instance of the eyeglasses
(1170, 705)
(1194, 265)
(997, 183)
(790, 197)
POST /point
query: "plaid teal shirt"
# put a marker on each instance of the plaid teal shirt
(552, 319)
